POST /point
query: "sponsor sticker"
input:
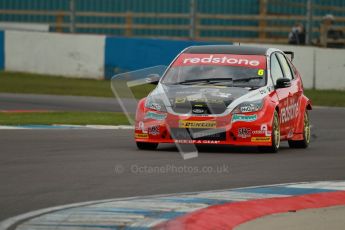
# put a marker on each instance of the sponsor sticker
(141, 135)
(247, 108)
(263, 131)
(197, 142)
(261, 139)
(260, 132)
(250, 61)
(245, 118)
(197, 124)
(154, 106)
(263, 91)
(179, 100)
(225, 95)
(244, 132)
(198, 99)
(264, 127)
(155, 116)
(198, 111)
(141, 127)
(289, 112)
(153, 130)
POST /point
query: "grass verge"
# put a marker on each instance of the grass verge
(326, 97)
(71, 118)
(11, 82)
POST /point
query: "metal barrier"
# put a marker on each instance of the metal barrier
(269, 22)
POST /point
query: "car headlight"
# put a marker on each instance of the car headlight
(155, 104)
(249, 106)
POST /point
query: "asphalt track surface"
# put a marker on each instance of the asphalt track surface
(10, 101)
(44, 168)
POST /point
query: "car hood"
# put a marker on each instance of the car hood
(201, 100)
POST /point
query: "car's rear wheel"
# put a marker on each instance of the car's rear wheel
(306, 135)
(275, 136)
(147, 146)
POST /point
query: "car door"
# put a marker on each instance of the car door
(290, 112)
(297, 86)
(282, 93)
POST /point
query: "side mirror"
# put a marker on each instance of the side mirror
(283, 83)
(152, 79)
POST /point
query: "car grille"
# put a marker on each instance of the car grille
(198, 134)
(198, 108)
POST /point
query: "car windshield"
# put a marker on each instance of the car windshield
(218, 69)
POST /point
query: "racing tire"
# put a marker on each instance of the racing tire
(147, 146)
(275, 136)
(302, 144)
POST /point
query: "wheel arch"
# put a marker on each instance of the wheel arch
(304, 105)
(271, 107)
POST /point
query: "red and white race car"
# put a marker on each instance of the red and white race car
(224, 94)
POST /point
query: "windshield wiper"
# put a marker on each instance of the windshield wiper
(209, 80)
(252, 87)
(247, 79)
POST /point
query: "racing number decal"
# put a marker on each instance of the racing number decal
(261, 72)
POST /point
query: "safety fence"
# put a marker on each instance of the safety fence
(259, 21)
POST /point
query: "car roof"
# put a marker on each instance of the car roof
(226, 49)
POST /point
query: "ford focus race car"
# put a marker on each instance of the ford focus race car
(222, 94)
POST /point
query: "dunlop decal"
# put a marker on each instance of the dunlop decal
(141, 135)
(197, 124)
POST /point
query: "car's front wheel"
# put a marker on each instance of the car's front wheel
(147, 146)
(275, 136)
(306, 135)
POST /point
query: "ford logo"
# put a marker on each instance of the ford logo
(198, 111)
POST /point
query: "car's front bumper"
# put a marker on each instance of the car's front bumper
(250, 129)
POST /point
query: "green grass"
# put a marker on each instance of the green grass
(326, 97)
(73, 118)
(11, 82)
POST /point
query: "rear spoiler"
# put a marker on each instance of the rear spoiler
(292, 54)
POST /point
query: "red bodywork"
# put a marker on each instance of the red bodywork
(290, 103)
